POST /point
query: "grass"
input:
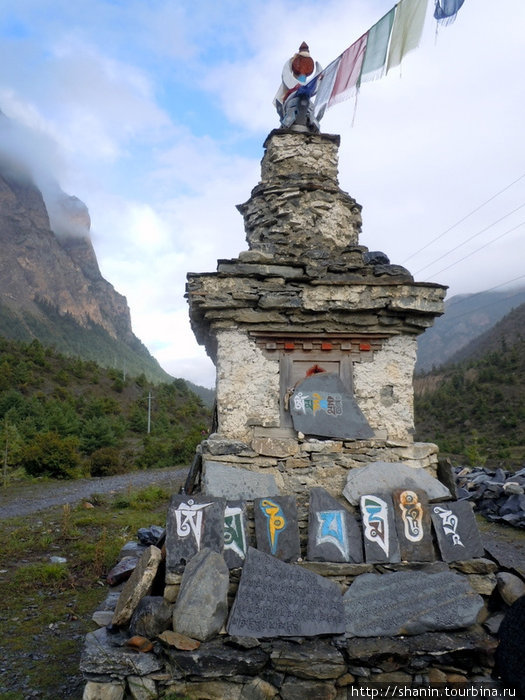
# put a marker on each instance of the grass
(47, 607)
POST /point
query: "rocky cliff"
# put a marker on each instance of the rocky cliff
(51, 287)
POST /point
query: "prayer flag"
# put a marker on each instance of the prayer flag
(348, 71)
(407, 30)
(325, 85)
(376, 48)
(446, 10)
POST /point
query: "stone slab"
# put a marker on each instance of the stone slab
(333, 532)
(137, 586)
(276, 527)
(321, 405)
(202, 604)
(236, 540)
(377, 477)
(456, 530)
(105, 655)
(413, 525)
(409, 602)
(193, 522)
(214, 659)
(275, 599)
(233, 483)
(379, 529)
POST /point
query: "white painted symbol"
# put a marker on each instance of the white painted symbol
(189, 520)
(450, 524)
(375, 520)
(332, 529)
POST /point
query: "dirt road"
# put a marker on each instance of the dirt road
(30, 498)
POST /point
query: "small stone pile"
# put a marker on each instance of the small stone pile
(498, 495)
(314, 619)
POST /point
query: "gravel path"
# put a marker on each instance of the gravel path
(30, 498)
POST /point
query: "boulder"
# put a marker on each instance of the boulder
(202, 604)
(151, 617)
(384, 477)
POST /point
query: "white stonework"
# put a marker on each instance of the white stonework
(247, 386)
(383, 388)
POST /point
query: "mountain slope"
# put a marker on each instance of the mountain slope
(51, 287)
(475, 409)
(466, 317)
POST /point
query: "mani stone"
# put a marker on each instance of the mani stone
(202, 604)
(379, 529)
(456, 530)
(275, 599)
(321, 405)
(137, 586)
(412, 518)
(233, 483)
(193, 522)
(333, 533)
(384, 477)
(276, 527)
(409, 602)
(235, 534)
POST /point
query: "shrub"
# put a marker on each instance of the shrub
(105, 462)
(50, 455)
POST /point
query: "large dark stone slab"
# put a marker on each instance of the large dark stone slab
(275, 599)
(276, 528)
(227, 481)
(412, 518)
(409, 602)
(312, 659)
(379, 530)
(384, 477)
(457, 531)
(322, 405)
(193, 522)
(333, 533)
(214, 660)
(235, 533)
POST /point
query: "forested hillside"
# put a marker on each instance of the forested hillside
(64, 417)
(475, 409)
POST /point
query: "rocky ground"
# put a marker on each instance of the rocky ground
(55, 629)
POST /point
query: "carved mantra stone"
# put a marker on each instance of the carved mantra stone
(379, 530)
(276, 527)
(413, 525)
(322, 405)
(275, 599)
(333, 533)
(457, 531)
(409, 602)
(193, 522)
(235, 534)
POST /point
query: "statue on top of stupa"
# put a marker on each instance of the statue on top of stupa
(298, 85)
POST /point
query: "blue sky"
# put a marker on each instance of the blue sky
(154, 114)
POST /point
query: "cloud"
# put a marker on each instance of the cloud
(154, 114)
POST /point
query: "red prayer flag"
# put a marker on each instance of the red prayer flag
(349, 71)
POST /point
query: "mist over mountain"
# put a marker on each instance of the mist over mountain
(51, 287)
